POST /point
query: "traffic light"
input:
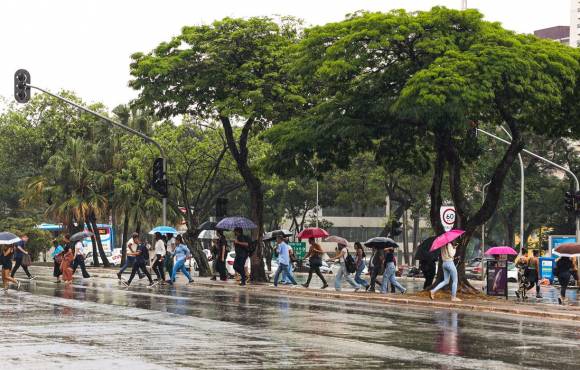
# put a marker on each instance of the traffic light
(570, 201)
(158, 181)
(396, 228)
(21, 86)
(221, 208)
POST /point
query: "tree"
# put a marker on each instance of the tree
(406, 85)
(231, 72)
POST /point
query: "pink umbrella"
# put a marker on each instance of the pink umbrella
(445, 239)
(501, 250)
(336, 239)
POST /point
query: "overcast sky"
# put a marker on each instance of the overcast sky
(84, 45)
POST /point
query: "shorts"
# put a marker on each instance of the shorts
(6, 263)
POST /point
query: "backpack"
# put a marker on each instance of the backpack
(349, 263)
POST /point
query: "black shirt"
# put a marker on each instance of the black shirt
(389, 257)
(242, 251)
(143, 256)
(564, 264)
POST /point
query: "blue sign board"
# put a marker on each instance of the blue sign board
(547, 268)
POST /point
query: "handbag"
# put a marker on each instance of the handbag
(58, 258)
(26, 260)
(315, 261)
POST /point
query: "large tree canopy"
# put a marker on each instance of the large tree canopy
(410, 85)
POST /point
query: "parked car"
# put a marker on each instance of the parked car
(113, 260)
(512, 272)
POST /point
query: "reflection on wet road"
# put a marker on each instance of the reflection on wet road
(95, 324)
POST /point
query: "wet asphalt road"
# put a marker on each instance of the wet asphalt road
(96, 324)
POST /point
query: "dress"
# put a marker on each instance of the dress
(67, 273)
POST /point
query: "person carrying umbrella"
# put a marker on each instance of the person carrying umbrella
(449, 272)
(565, 266)
(80, 254)
(6, 255)
(241, 245)
(389, 276)
(314, 254)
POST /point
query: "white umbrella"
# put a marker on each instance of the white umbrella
(207, 234)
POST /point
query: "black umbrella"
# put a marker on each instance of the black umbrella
(80, 236)
(208, 225)
(423, 253)
(381, 242)
(273, 234)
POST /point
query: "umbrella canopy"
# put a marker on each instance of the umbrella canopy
(208, 225)
(381, 242)
(336, 239)
(446, 238)
(7, 238)
(163, 230)
(273, 234)
(313, 232)
(207, 234)
(567, 250)
(230, 223)
(80, 236)
(423, 253)
(501, 250)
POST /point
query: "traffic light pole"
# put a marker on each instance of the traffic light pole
(576, 183)
(121, 126)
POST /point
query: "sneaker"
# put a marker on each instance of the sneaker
(539, 296)
(367, 288)
(119, 275)
(404, 291)
(31, 277)
(151, 286)
(432, 295)
(213, 278)
(559, 300)
(191, 281)
(324, 286)
(17, 284)
(356, 289)
(126, 284)
(455, 299)
(305, 285)
(371, 290)
(517, 294)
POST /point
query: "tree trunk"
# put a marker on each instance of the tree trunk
(124, 238)
(94, 244)
(239, 151)
(416, 219)
(104, 258)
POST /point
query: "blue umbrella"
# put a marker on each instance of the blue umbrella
(230, 223)
(163, 230)
(7, 238)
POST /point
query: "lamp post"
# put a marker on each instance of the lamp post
(483, 230)
(317, 199)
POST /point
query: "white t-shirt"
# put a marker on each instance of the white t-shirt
(79, 249)
(343, 253)
(171, 245)
(131, 246)
(160, 247)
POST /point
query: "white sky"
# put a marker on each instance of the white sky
(84, 45)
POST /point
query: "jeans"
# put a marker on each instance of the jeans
(130, 260)
(357, 277)
(18, 260)
(136, 267)
(287, 276)
(449, 272)
(80, 261)
(389, 276)
(180, 266)
(282, 268)
(338, 280)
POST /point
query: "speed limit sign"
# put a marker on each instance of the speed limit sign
(447, 217)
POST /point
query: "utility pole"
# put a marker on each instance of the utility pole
(463, 4)
(22, 94)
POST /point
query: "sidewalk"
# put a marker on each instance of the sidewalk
(482, 304)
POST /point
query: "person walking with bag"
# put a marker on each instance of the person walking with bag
(360, 265)
(181, 254)
(159, 258)
(7, 252)
(314, 254)
(283, 261)
(141, 258)
(57, 259)
(342, 257)
(22, 258)
(449, 272)
(564, 268)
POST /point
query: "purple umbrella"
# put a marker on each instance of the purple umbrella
(230, 223)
